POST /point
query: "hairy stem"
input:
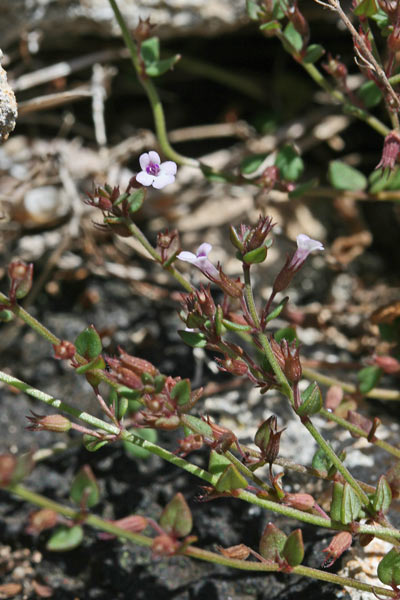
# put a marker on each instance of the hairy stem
(152, 94)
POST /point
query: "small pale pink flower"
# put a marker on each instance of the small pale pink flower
(154, 172)
(200, 260)
(305, 245)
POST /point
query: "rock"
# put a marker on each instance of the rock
(82, 17)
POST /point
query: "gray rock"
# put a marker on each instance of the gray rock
(174, 17)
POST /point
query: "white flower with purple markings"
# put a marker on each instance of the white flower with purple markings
(154, 172)
(200, 260)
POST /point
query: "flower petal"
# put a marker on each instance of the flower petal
(154, 157)
(168, 167)
(144, 178)
(162, 180)
(304, 242)
(203, 249)
(187, 256)
(144, 161)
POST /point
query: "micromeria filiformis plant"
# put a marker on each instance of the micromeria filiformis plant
(223, 315)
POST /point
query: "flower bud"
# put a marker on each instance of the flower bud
(240, 552)
(137, 365)
(388, 364)
(64, 350)
(8, 465)
(57, 423)
(390, 152)
(20, 275)
(339, 544)
(41, 520)
(299, 501)
(163, 545)
(267, 438)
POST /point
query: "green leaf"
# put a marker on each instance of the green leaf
(92, 443)
(122, 407)
(193, 338)
(287, 333)
(272, 543)
(181, 392)
(196, 425)
(84, 488)
(160, 67)
(382, 498)
(344, 177)
(258, 255)
(133, 450)
(135, 200)
(277, 310)
(351, 505)
(150, 50)
(176, 518)
(293, 549)
(253, 10)
(368, 378)
(88, 343)
(382, 179)
(366, 8)
(321, 461)
(231, 326)
(311, 401)
(289, 163)
(251, 163)
(293, 37)
(270, 26)
(65, 538)
(382, 20)
(6, 315)
(217, 462)
(370, 94)
(389, 568)
(337, 499)
(303, 188)
(230, 479)
(214, 176)
(313, 53)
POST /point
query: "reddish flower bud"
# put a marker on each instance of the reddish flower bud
(359, 421)
(236, 367)
(190, 443)
(163, 545)
(299, 23)
(336, 69)
(334, 396)
(137, 365)
(206, 301)
(231, 287)
(41, 520)
(258, 234)
(8, 464)
(64, 350)
(390, 152)
(292, 367)
(143, 31)
(339, 544)
(388, 364)
(277, 350)
(241, 552)
(57, 423)
(268, 439)
(20, 275)
(300, 501)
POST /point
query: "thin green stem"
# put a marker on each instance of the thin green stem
(191, 551)
(249, 296)
(29, 320)
(336, 94)
(59, 404)
(360, 432)
(248, 472)
(379, 393)
(336, 461)
(152, 94)
(141, 238)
